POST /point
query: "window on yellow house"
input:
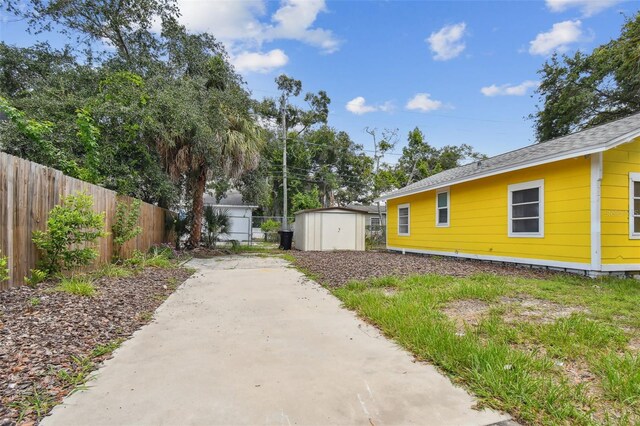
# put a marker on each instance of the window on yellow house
(442, 208)
(403, 219)
(634, 205)
(526, 209)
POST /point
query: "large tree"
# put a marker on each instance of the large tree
(156, 116)
(420, 159)
(584, 90)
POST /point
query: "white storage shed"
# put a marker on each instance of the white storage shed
(333, 228)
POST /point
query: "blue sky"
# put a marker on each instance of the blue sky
(464, 72)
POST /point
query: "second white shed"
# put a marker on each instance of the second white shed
(333, 228)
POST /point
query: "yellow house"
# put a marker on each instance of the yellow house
(570, 203)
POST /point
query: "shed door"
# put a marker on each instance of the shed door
(338, 231)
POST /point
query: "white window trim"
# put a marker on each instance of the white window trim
(633, 177)
(519, 187)
(447, 223)
(408, 207)
(371, 219)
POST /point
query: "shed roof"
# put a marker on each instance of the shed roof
(328, 209)
(368, 209)
(595, 139)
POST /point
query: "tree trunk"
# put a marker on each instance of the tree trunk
(198, 207)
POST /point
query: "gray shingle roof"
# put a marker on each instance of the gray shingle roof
(588, 141)
(368, 209)
(232, 198)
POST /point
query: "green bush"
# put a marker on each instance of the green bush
(72, 230)
(4, 270)
(35, 278)
(125, 225)
(217, 223)
(270, 225)
(136, 260)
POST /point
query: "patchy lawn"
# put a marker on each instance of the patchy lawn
(53, 336)
(547, 348)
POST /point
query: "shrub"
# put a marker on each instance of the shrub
(4, 270)
(136, 260)
(181, 228)
(125, 225)
(37, 276)
(80, 286)
(217, 223)
(72, 229)
(270, 227)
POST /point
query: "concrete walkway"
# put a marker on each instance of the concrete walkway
(247, 340)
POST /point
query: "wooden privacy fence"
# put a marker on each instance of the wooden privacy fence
(28, 191)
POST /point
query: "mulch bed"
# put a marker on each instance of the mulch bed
(38, 339)
(338, 268)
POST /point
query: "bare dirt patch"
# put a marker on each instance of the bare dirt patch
(338, 268)
(41, 330)
(529, 309)
(466, 312)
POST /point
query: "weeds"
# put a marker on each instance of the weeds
(110, 270)
(108, 348)
(76, 377)
(145, 316)
(36, 402)
(80, 286)
(34, 301)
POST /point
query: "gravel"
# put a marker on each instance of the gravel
(41, 331)
(340, 267)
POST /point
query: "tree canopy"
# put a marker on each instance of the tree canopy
(583, 90)
(139, 104)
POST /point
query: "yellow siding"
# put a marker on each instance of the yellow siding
(479, 216)
(617, 247)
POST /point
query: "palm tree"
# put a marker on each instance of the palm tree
(241, 142)
(218, 223)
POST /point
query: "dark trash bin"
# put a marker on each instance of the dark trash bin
(286, 238)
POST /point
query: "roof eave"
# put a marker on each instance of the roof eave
(494, 172)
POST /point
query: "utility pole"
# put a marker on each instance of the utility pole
(285, 219)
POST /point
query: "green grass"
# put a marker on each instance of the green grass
(78, 285)
(512, 361)
(77, 376)
(36, 403)
(108, 348)
(109, 270)
(158, 261)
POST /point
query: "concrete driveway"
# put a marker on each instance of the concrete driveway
(248, 340)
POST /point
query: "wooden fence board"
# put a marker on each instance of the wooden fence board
(28, 191)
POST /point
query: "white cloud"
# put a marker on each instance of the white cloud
(244, 24)
(359, 106)
(558, 38)
(587, 7)
(259, 62)
(225, 19)
(447, 43)
(294, 20)
(509, 89)
(423, 102)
